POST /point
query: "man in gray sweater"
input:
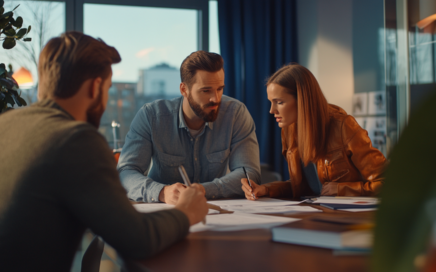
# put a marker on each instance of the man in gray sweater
(58, 176)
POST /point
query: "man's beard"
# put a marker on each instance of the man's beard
(95, 111)
(207, 117)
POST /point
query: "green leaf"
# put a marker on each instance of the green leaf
(8, 83)
(15, 97)
(2, 9)
(3, 23)
(29, 28)
(21, 33)
(9, 31)
(18, 22)
(27, 39)
(2, 2)
(9, 99)
(9, 43)
(7, 15)
(16, 7)
(14, 84)
(2, 106)
(22, 101)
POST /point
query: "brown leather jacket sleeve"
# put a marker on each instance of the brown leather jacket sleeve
(368, 160)
(279, 189)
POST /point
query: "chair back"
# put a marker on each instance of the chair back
(92, 257)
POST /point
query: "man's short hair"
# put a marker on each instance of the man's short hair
(199, 60)
(66, 62)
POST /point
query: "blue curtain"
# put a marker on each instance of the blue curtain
(257, 37)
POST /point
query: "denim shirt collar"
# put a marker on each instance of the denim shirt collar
(182, 123)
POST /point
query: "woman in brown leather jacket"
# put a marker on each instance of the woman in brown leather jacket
(314, 131)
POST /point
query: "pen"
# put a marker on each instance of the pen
(187, 182)
(249, 182)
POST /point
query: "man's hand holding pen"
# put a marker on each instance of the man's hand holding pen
(170, 194)
(193, 203)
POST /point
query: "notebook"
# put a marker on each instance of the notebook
(325, 235)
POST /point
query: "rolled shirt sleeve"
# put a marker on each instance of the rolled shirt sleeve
(135, 161)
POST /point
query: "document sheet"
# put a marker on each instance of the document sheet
(241, 203)
(276, 209)
(346, 200)
(263, 205)
(240, 221)
(358, 210)
(154, 207)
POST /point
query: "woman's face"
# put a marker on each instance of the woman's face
(283, 105)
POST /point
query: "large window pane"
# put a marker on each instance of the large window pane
(47, 19)
(152, 43)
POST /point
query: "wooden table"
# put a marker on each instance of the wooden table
(253, 250)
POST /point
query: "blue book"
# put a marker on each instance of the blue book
(324, 235)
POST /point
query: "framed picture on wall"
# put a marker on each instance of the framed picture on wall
(360, 104)
(376, 127)
(377, 103)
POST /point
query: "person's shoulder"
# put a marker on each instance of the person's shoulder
(231, 104)
(162, 107)
(78, 131)
(341, 123)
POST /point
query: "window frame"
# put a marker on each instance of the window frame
(74, 13)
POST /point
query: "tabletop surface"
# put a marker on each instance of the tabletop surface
(253, 250)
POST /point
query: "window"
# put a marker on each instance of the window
(47, 19)
(152, 42)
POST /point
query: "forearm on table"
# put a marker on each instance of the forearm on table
(227, 186)
(359, 188)
(140, 187)
(279, 189)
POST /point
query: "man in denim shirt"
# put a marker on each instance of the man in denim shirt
(204, 131)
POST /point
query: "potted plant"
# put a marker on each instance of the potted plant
(10, 33)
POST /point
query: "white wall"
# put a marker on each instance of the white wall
(325, 47)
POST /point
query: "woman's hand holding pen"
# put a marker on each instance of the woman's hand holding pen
(256, 190)
(193, 203)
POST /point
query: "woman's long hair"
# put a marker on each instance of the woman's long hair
(313, 110)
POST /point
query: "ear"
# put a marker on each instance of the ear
(184, 89)
(96, 87)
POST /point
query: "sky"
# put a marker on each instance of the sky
(144, 37)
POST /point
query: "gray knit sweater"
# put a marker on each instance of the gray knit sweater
(57, 178)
